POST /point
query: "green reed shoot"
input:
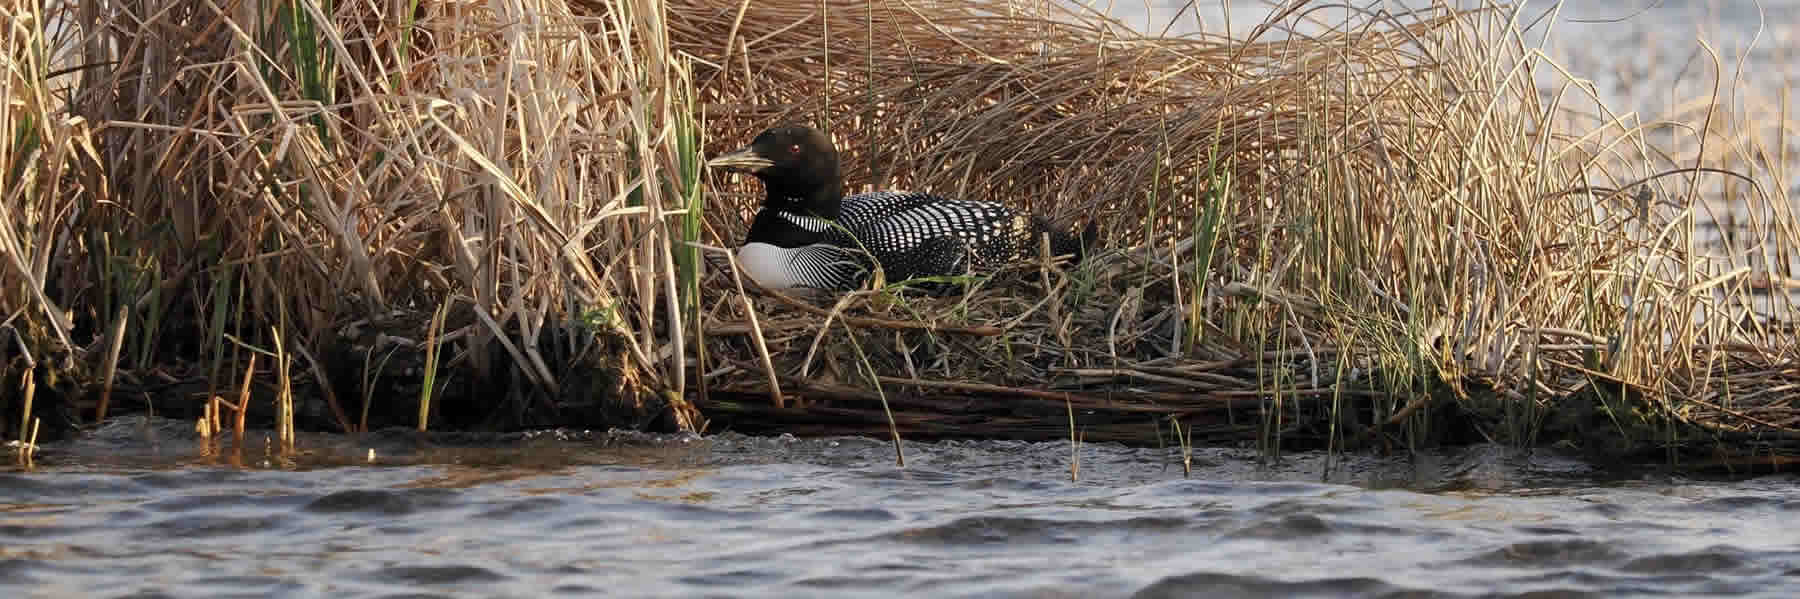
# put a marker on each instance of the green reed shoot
(313, 63)
(432, 352)
(371, 373)
(689, 139)
(25, 418)
(403, 50)
(1074, 444)
(284, 394)
(1184, 437)
(26, 139)
(1209, 227)
(110, 369)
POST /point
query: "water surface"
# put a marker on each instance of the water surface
(137, 509)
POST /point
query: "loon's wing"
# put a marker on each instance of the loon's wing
(987, 231)
(866, 208)
(935, 257)
(826, 266)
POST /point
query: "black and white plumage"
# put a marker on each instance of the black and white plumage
(808, 234)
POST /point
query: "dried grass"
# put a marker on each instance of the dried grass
(325, 168)
(1333, 229)
(1326, 235)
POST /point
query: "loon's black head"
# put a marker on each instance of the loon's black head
(797, 165)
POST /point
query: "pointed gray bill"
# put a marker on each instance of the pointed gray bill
(746, 160)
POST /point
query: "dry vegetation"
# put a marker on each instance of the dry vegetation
(1380, 232)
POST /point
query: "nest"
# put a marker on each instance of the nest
(1335, 237)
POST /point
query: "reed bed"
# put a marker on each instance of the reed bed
(1341, 228)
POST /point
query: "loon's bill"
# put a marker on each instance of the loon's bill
(747, 160)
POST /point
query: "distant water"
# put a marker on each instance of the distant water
(136, 510)
(1645, 56)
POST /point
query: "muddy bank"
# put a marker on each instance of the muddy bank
(375, 369)
(371, 375)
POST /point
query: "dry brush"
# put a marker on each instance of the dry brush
(1338, 227)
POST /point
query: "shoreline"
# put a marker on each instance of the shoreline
(1326, 241)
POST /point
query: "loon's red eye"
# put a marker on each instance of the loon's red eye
(794, 149)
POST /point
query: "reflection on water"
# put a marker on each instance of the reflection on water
(135, 510)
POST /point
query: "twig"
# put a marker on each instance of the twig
(756, 334)
(115, 340)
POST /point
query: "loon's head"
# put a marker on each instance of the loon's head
(797, 165)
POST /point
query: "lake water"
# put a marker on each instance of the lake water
(138, 509)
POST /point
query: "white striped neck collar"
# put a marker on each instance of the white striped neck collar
(806, 221)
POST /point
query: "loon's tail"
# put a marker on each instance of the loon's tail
(1077, 245)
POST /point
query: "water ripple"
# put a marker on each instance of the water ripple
(1212, 584)
(383, 502)
(770, 517)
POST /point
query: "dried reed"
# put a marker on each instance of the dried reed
(1339, 228)
(1348, 229)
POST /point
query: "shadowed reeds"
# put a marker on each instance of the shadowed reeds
(326, 174)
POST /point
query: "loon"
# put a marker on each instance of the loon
(808, 234)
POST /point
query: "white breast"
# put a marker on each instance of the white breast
(768, 265)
